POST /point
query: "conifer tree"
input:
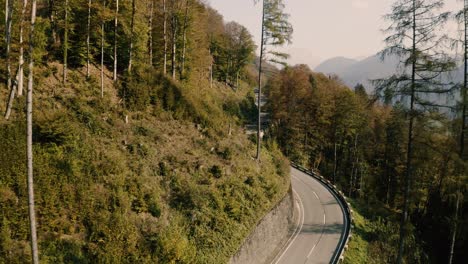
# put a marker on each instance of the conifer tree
(276, 31)
(412, 36)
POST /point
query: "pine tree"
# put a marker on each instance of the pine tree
(276, 31)
(413, 38)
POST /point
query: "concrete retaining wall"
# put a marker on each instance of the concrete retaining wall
(269, 236)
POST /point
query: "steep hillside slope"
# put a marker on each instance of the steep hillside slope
(155, 172)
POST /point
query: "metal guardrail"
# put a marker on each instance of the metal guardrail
(338, 256)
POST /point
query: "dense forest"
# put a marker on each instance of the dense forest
(139, 151)
(399, 153)
(360, 145)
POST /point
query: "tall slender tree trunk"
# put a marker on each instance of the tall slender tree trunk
(8, 22)
(150, 33)
(102, 52)
(53, 25)
(454, 229)
(65, 44)
(165, 37)
(335, 163)
(211, 69)
(184, 45)
(132, 29)
(21, 51)
(88, 33)
(11, 98)
(259, 121)
(409, 157)
(465, 81)
(174, 44)
(463, 127)
(29, 120)
(116, 22)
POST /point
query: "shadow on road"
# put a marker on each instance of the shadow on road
(318, 229)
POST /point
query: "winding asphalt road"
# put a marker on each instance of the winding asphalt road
(320, 223)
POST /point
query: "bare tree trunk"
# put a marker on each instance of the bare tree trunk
(454, 229)
(150, 33)
(335, 165)
(465, 81)
(259, 121)
(29, 118)
(132, 26)
(8, 22)
(409, 156)
(65, 45)
(88, 39)
(211, 70)
(174, 44)
(354, 167)
(102, 53)
(53, 25)
(12, 96)
(21, 56)
(463, 126)
(116, 21)
(165, 37)
(182, 68)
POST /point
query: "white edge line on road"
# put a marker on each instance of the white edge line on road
(298, 228)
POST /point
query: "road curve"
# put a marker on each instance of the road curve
(320, 223)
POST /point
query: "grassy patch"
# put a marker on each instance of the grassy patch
(374, 236)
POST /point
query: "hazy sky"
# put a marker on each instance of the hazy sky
(322, 28)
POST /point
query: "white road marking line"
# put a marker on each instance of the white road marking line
(297, 231)
(324, 219)
(316, 195)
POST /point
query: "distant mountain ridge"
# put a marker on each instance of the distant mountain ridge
(353, 71)
(335, 65)
(373, 67)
